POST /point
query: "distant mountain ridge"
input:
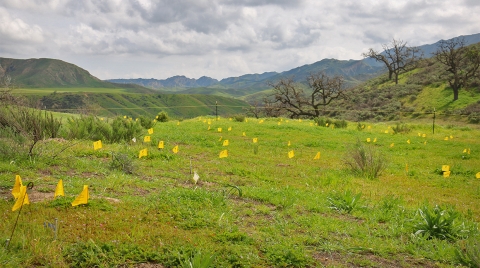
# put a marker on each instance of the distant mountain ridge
(353, 71)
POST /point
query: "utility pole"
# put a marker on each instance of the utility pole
(433, 127)
(216, 110)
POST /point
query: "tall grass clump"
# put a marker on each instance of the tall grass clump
(400, 128)
(469, 253)
(327, 122)
(345, 202)
(365, 160)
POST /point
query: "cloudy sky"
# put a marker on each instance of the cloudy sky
(220, 38)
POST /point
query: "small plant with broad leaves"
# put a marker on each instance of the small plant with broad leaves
(199, 260)
(345, 202)
(439, 223)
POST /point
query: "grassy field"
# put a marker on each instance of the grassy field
(255, 208)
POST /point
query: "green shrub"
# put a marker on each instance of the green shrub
(146, 122)
(239, 118)
(400, 128)
(122, 162)
(162, 117)
(365, 160)
(345, 202)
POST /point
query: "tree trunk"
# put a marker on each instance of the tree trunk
(455, 94)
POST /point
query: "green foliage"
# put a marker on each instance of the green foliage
(468, 253)
(365, 160)
(91, 254)
(146, 122)
(122, 162)
(345, 202)
(439, 223)
(162, 117)
(327, 122)
(281, 255)
(239, 118)
(199, 260)
(92, 128)
(401, 128)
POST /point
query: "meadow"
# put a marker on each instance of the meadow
(257, 207)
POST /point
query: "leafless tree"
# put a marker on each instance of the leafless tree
(255, 109)
(397, 57)
(322, 90)
(462, 62)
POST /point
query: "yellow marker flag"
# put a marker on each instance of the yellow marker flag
(205, 121)
(124, 117)
(82, 198)
(445, 168)
(386, 131)
(392, 144)
(425, 143)
(255, 140)
(178, 123)
(279, 123)
(446, 174)
(208, 128)
(291, 154)
(209, 122)
(147, 139)
(300, 120)
(261, 121)
(451, 137)
(219, 129)
(317, 156)
(375, 140)
(419, 134)
(97, 145)
(175, 149)
(311, 124)
(446, 139)
(230, 129)
(16, 186)
(424, 135)
(408, 141)
(477, 175)
(225, 143)
(369, 127)
(243, 134)
(160, 145)
(468, 151)
(230, 119)
(150, 131)
(142, 153)
(223, 154)
(59, 189)
(464, 151)
(368, 139)
(246, 120)
(288, 143)
(22, 198)
(326, 124)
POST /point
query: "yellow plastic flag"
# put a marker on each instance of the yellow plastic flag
(451, 137)
(291, 154)
(243, 134)
(175, 149)
(230, 129)
(392, 144)
(369, 127)
(424, 135)
(209, 122)
(326, 124)
(445, 168)
(97, 145)
(101, 118)
(288, 143)
(124, 117)
(230, 119)
(425, 143)
(317, 156)
(246, 120)
(464, 151)
(150, 131)
(142, 153)
(419, 134)
(386, 131)
(446, 139)
(477, 175)
(147, 139)
(300, 120)
(160, 145)
(208, 128)
(178, 123)
(368, 139)
(59, 189)
(279, 123)
(255, 140)
(408, 141)
(16, 186)
(468, 151)
(446, 174)
(311, 124)
(225, 143)
(223, 154)
(375, 140)
(219, 129)
(22, 198)
(82, 198)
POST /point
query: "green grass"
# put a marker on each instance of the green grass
(250, 209)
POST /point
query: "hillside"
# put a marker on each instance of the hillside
(52, 73)
(134, 105)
